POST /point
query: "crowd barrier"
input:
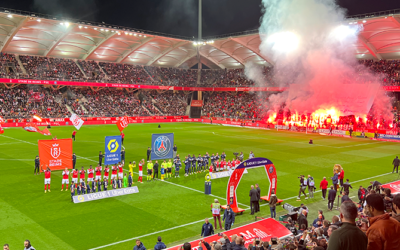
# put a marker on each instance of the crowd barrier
(383, 134)
(141, 86)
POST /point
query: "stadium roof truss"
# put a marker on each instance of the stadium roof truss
(31, 35)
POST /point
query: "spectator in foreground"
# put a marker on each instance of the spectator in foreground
(239, 244)
(384, 231)
(272, 204)
(348, 236)
(302, 220)
(159, 245)
(28, 246)
(187, 246)
(396, 207)
(139, 245)
(6, 247)
(207, 229)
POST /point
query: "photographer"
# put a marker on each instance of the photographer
(303, 186)
(291, 226)
(311, 186)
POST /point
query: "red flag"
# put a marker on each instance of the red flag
(122, 123)
(1, 120)
(1, 130)
(31, 127)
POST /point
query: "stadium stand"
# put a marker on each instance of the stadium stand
(9, 66)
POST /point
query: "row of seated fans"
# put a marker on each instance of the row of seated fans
(49, 68)
(24, 101)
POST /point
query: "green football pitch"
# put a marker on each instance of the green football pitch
(174, 209)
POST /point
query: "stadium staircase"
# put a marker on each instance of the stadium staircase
(79, 66)
(106, 77)
(153, 102)
(144, 107)
(21, 66)
(148, 74)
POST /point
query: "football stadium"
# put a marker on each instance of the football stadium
(281, 137)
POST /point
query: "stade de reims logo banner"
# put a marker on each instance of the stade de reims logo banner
(112, 152)
(161, 146)
(55, 154)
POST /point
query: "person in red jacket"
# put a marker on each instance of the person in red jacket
(73, 135)
(323, 186)
(341, 177)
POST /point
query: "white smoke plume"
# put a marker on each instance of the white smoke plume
(311, 46)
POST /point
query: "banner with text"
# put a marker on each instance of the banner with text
(55, 154)
(223, 174)
(197, 103)
(263, 229)
(112, 152)
(393, 186)
(105, 194)
(161, 146)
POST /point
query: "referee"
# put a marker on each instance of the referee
(37, 164)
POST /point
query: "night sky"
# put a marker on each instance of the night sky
(178, 17)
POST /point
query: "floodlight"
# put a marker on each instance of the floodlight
(80, 27)
(9, 15)
(67, 24)
(39, 20)
(364, 21)
(342, 32)
(284, 41)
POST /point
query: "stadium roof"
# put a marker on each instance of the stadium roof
(34, 34)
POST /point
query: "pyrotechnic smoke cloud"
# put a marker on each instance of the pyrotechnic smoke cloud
(311, 46)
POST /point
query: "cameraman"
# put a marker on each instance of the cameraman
(303, 185)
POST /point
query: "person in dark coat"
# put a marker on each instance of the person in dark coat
(229, 217)
(253, 199)
(345, 197)
(207, 229)
(148, 153)
(101, 156)
(331, 198)
(396, 163)
(302, 219)
(259, 195)
(159, 245)
(73, 161)
(37, 164)
(139, 245)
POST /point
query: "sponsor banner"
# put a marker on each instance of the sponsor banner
(263, 229)
(335, 132)
(136, 86)
(76, 121)
(55, 154)
(197, 103)
(105, 194)
(161, 146)
(281, 127)
(393, 186)
(123, 123)
(390, 137)
(112, 152)
(237, 174)
(223, 174)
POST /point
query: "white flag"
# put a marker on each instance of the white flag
(77, 121)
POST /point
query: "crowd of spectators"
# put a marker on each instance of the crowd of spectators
(38, 67)
(92, 70)
(21, 102)
(238, 105)
(170, 103)
(173, 76)
(388, 70)
(233, 78)
(126, 73)
(9, 66)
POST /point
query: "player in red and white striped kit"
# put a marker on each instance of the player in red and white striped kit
(98, 172)
(65, 179)
(120, 170)
(75, 177)
(141, 163)
(114, 170)
(47, 177)
(90, 172)
(106, 173)
(82, 176)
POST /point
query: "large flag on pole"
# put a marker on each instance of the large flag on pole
(76, 121)
(1, 130)
(122, 123)
(2, 120)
